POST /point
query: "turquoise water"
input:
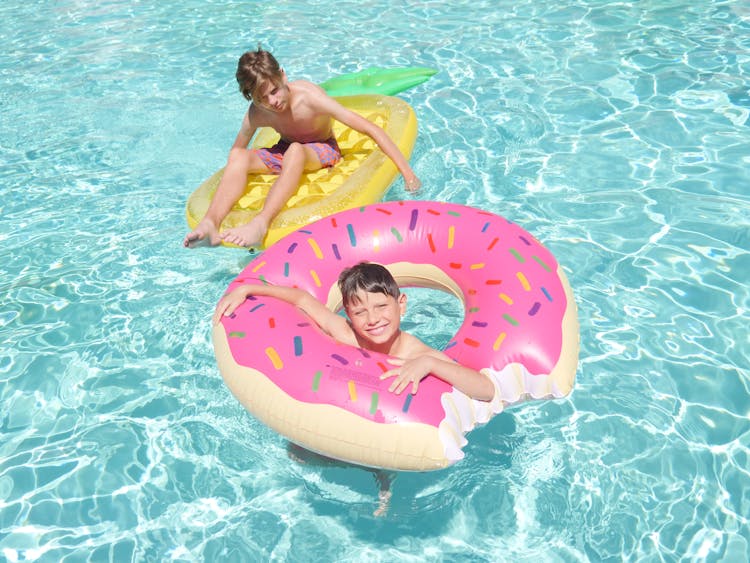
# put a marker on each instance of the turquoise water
(616, 133)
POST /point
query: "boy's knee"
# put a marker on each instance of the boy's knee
(240, 158)
(295, 150)
(295, 154)
(237, 156)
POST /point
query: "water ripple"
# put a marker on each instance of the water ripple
(616, 134)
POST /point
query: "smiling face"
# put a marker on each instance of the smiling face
(376, 319)
(374, 304)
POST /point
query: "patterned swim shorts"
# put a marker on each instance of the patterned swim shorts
(328, 152)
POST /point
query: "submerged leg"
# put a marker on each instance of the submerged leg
(384, 481)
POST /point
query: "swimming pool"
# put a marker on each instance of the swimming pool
(617, 134)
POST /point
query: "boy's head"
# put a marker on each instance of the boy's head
(256, 69)
(373, 303)
(367, 277)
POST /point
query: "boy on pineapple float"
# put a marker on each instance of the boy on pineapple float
(302, 113)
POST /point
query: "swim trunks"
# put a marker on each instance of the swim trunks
(328, 152)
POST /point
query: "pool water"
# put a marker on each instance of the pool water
(618, 134)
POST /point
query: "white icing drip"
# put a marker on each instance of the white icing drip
(513, 384)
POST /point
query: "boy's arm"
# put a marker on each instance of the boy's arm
(247, 130)
(381, 138)
(332, 324)
(466, 380)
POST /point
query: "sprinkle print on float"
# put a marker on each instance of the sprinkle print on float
(520, 329)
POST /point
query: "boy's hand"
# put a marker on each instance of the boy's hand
(413, 184)
(229, 303)
(410, 371)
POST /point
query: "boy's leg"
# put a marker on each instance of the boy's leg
(297, 159)
(240, 163)
(384, 480)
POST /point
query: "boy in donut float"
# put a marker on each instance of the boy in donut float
(302, 113)
(374, 306)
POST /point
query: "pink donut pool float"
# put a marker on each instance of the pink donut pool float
(520, 329)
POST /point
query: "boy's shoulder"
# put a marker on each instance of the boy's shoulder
(307, 88)
(311, 96)
(413, 346)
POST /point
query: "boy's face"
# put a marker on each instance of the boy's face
(376, 317)
(273, 96)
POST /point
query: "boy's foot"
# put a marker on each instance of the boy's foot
(250, 234)
(384, 481)
(205, 233)
(384, 499)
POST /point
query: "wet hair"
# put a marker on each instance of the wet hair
(254, 69)
(368, 277)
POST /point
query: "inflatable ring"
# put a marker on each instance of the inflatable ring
(520, 329)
